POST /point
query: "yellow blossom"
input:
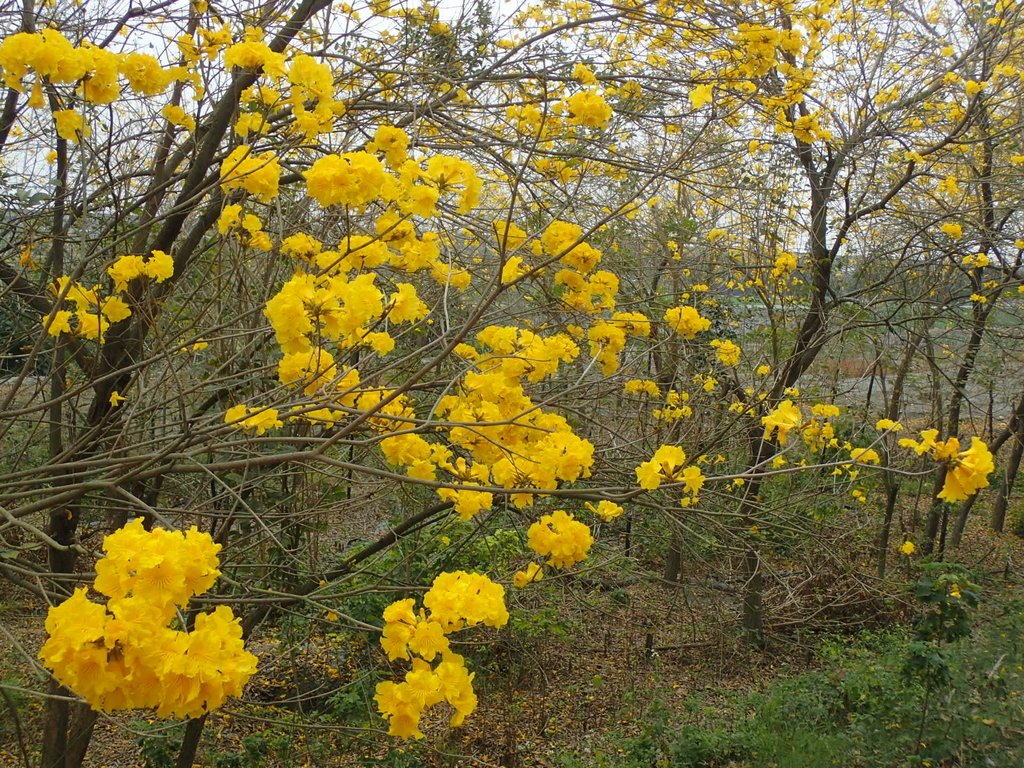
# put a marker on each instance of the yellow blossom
(781, 420)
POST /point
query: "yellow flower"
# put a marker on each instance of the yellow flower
(175, 115)
(392, 142)
(693, 480)
(948, 186)
(144, 74)
(968, 472)
(865, 456)
(781, 420)
(588, 108)
(953, 230)
(662, 466)
(973, 87)
(467, 503)
(70, 125)
(256, 174)
(428, 640)
(582, 74)
(606, 510)
(147, 576)
(115, 309)
(686, 321)
(642, 386)
(91, 325)
(260, 419)
(253, 53)
(700, 95)
(908, 548)
(354, 178)
(926, 444)
(458, 599)
(61, 322)
(534, 572)
(561, 538)
(727, 352)
(125, 269)
(159, 266)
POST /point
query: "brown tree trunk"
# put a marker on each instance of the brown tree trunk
(892, 485)
(1009, 476)
(674, 558)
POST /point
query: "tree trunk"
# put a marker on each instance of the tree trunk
(82, 722)
(892, 485)
(190, 742)
(55, 727)
(674, 558)
(885, 532)
(1009, 476)
(753, 593)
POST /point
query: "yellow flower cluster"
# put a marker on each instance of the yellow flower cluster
(70, 125)
(51, 57)
(561, 538)
(94, 313)
(642, 387)
(865, 456)
(452, 174)
(512, 443)
(686, 321)
(325, 306)
(158, 267)
(818, 432)
(976, 260)
(454, 601)
(256, 419)
(588, 108)
(253, 53)
(967, 471)
(258, 175)
(393, 143)
(888, 425)
(467, 503)
(533, 573)
(354, 178)
(784, 417)
(244, 227)
(675, 406)
(177, 116)
(124, 655)
(788, 51)
(785, 263)
(311, 80)
(668, 464)
(806, 128)
(727, 352)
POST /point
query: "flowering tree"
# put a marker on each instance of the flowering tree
(276, 270)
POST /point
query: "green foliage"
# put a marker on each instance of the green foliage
(947, 591)
(861, 709)
(158, 743)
